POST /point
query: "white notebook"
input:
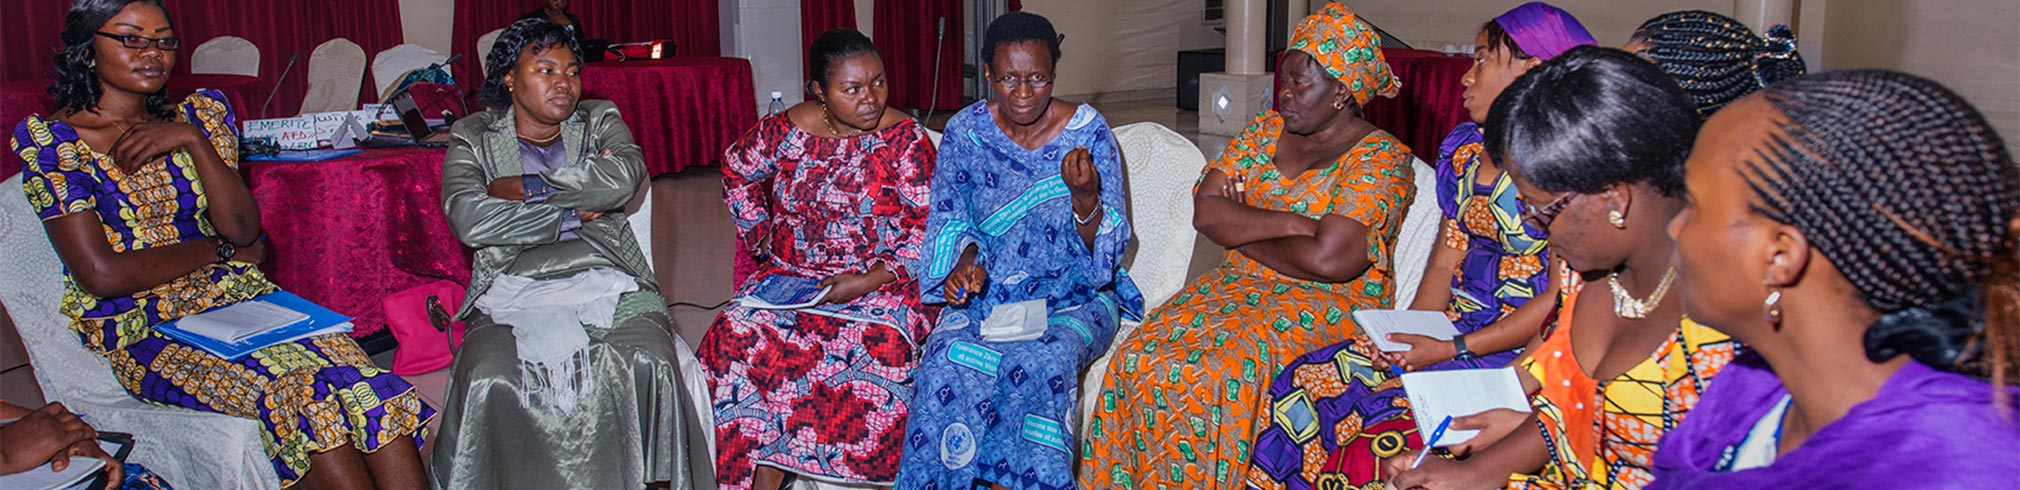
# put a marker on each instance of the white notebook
(1012, 322)
(1435, 395)
(245, 319)
(1380, 323)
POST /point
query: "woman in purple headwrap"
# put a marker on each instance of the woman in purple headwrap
(1483, 275)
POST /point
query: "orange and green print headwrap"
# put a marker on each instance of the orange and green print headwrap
(1349, 49)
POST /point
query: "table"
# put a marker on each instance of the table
(1430, 104)
(682, 111)
(345, 233)
(22, 98)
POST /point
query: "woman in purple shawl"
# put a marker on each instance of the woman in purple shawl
(1857, 231)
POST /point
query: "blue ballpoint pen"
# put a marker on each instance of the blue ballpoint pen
(1433, 442)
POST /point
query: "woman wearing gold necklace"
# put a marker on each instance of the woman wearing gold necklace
(833, 190)
(568, 359)
(1595, 140)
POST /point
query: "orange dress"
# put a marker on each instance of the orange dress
(1183, 397)
(1602, 435)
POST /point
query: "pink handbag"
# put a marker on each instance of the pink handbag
(420, 318)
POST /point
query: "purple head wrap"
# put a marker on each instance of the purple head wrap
(1544, 31)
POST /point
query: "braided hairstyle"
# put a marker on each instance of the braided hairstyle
(1913, 197)
(1718, 59)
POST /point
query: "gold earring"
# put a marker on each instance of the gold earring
(1618, 220)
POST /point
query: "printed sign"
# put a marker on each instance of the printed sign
(291, 133)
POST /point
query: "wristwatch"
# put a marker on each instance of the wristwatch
(225, 249)
(1459, 350)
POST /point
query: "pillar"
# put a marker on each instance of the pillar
(1229, 99)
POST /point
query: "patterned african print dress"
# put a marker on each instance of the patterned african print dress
(1003, 412)
(1602, 435)
(1185, 390)
(818, 395)
(310, 395)
(1330, 422)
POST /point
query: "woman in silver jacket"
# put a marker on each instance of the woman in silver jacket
(566, 377)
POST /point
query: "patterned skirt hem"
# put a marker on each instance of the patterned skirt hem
(803, 473)
(367, 443)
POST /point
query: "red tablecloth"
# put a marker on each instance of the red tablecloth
(19, 99)
(683, 111)
(1430, 103)
(345, 233)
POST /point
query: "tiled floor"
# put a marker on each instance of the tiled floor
(693, 238)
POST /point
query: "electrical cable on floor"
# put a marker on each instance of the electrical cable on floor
(13, 369)
(717, 306)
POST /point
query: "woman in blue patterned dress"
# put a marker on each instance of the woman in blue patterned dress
(142, 200)
(1028, 204)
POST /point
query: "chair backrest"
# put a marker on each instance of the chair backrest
(640, 209)
(1420, 234)
(933, 136)
(336, 72)
(1161, 168)
(229, 55)
(32, 292)
(395, 62)
(484, 44)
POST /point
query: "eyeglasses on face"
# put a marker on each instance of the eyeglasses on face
(141, 42)
(1540, 217)
(1035, 81)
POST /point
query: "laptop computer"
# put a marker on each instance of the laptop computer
(419, 132)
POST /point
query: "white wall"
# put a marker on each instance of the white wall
(766, 32)
(1123, 45)
(1971, 46)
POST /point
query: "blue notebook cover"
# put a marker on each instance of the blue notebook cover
(303, 155)
(319, 318)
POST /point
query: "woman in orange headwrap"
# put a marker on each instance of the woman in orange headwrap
(1308, 200)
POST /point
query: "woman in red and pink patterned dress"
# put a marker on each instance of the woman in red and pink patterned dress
(834, 190)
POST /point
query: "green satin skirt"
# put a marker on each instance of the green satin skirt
(636, 427)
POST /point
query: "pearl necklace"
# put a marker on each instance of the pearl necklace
(1626, 306)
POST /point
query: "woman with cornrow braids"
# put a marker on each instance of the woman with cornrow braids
(1715, 58)
(1868, 262)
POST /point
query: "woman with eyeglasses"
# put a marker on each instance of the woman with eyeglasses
(1595, 141)
(1486, 276)
(1028, 206)
(142, 199)
(1309, 200)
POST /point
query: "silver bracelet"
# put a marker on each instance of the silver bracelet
(1091, 215)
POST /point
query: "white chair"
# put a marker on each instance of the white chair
(229, 55)
(190, 448)
(336, 71)
(484, 44)
(395, 62)
(693, 378)
(1161, 167)
(1421, 227)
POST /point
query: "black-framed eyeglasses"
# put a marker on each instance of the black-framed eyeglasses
(142, 42)
(1035, 81)
(1541, 217)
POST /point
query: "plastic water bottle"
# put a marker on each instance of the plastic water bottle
(778, 104)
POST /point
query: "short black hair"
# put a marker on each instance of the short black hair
(1497, 37)
(76, 87)
(1016, 27)
(536, 35)
(1716, 58)
(832, 47)
(1592, 118)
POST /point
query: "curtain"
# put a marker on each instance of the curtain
(816, 17)
(906, 35)
(280, 28)
(690, 24)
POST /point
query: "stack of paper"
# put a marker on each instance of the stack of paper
(1435, 395)
(781, 292)
(1380, 323)
(1012, 322)
(235, 330)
